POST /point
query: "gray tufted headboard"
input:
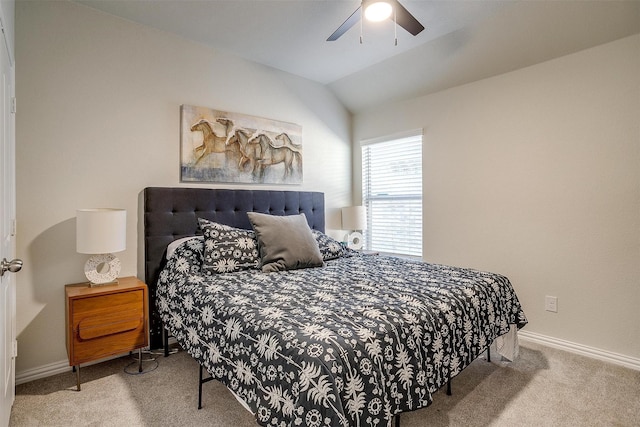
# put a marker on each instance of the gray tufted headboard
(172, 213)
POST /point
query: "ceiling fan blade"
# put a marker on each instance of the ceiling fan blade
(350, 22)
(406, 20)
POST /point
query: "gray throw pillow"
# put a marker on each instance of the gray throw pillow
(285, 242)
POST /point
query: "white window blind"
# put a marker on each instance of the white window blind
(392, 194)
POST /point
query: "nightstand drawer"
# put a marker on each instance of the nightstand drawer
(85, 350)
(94, 306)
(92, 327)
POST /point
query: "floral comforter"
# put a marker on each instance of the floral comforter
(349, 344)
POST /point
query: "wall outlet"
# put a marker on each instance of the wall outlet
(551, 304)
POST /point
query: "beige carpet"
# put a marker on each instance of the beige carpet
(544, 387)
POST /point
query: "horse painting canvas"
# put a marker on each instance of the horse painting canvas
(221, 146)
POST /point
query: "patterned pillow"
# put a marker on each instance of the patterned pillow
(329, 247)
(228, 249)
(187, 256)
(171, 248)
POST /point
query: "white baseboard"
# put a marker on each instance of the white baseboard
(42, 371)
(583, 350)
(63, 366)
(595, 353)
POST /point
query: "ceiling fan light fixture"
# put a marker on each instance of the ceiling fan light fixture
(377, 11)
(401, 16)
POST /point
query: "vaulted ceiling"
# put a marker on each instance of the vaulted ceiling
(463, 41)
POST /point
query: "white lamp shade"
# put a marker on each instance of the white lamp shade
(354, 218)
(101, 231)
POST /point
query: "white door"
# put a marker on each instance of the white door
(8, 265)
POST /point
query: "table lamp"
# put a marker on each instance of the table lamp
(100, 232)
(354, 218)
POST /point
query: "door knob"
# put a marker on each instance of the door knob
(12, 266)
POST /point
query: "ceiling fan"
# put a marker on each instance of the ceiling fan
(378, 10)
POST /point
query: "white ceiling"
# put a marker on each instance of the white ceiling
(463, 41)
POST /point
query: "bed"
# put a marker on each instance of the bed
(347, 340)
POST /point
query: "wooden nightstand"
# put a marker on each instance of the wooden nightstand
(106, 320)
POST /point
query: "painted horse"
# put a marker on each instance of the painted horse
(214, 136)
(273, 153)
(249, 151)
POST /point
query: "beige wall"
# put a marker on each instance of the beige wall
(99, 119)
(536, 174)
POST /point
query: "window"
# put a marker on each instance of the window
(392, 193)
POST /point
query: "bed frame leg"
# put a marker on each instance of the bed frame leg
(449, 387)
(489, 354)
(165, 341)
(200, 389)
(200, 382)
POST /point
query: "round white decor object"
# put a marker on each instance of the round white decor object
(102, 268)
(356, 240)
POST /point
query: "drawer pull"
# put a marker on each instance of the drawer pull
(96, 327)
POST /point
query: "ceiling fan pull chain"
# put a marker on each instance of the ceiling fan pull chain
(395, 24)
(361, 19)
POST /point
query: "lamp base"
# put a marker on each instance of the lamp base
(95, 285)
(102, 269)
(355, 240)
